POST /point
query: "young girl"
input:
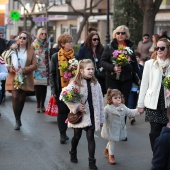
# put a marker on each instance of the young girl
(114, 128)
(93, 118)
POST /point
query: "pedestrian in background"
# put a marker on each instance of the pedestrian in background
(28, 64)
(93, 105)
(152, 96)
(41, 75)
(121, 36)
(93, 50)
(143, 47)
(155, 38)
(3, 75)
(114, 128)
(57, 81)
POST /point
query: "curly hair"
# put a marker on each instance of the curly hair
(111, 93)
(64, 38)
(88, 42)
(165, 40)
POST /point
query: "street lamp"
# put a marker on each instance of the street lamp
(107, 32)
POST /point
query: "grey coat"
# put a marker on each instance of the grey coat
(114, 128)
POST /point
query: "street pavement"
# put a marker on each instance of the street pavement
(36, 146)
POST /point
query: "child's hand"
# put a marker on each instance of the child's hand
(81, 108)
(141, 110)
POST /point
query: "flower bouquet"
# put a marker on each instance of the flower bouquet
(19, 80)
(121, 57)
(71, 95)
(166, 84)
(69, 69)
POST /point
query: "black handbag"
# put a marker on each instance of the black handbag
(135, 78)
(100, 74)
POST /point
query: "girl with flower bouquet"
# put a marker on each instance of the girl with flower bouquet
(152, 96)
(28, 64)
(90, 102)
(119, 75)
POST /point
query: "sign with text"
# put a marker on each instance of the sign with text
(40, 19)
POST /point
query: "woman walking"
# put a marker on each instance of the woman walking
(41, 75)
(27, 64)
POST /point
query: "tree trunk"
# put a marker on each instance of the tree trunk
(149, 21)
(82, 24)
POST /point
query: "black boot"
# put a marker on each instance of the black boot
(92, 164)
(18, 125)
(153, 137)
(73, 156)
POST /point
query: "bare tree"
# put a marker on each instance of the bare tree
(150, 8)
(86, 12)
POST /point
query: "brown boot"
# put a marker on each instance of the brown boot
(106, 152)
(112, 159)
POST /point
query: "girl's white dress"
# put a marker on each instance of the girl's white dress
(114, 128)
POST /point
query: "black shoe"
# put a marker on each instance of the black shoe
(66, 137)
(124, 139)
(62, 139)
(92, 164)
(18, 125)
(132, 120)
(73, 156)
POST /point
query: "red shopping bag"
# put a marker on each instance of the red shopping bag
(52, 108)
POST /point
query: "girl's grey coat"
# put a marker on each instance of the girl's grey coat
(114, 128)
(98, 105)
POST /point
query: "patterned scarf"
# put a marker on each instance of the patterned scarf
(64, 56)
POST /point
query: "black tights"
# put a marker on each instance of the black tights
(18, 100)
(40, 92)
(90, 140)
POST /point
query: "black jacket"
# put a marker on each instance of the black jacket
(161, 152)
(126, 73)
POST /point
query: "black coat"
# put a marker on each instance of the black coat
(126, 73)
(161, 152)
(2, 45)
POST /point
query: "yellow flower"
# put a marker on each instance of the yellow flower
(69, 95)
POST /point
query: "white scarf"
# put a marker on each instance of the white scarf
(163, 63)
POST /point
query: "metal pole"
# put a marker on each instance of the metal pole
(24, 21)
(108, 25)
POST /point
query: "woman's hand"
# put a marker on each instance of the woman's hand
(117, 69)
(140, 110)
(81, 108)
(53, 95)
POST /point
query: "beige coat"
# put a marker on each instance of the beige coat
(30, 66)
(98, 105)
(151, 85)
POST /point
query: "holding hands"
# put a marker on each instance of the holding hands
(141, 110)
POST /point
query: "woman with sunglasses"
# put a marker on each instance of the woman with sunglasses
(41, 75)
(93, 50)
(121, 37)
(27, 65)
(152, 96)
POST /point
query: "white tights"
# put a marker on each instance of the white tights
(111, 147)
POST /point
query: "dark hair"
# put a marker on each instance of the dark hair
(137, 54)
(111, 93)
(29, 39)
(91, 29)
(88, 42)
(147, 35)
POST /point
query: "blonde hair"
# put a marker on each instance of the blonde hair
(122, 27)
(111, 93)
(82, 65)
(165, 40)
(39, 33)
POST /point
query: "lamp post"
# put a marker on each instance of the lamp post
(108, 25)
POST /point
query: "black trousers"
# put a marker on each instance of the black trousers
(63, 111)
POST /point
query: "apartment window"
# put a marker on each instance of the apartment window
(64, 28)
(73, 30)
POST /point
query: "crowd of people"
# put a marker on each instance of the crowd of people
(130, 89)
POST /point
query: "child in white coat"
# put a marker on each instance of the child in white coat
(114, 128)
(93, 108)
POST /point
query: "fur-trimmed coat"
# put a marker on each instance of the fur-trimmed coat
(98, 105)
(114, 128)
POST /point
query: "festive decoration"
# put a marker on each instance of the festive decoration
(15, 15)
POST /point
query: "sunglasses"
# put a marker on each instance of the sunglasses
(161, 48)
(95, 39)
(122, 33)
(43, 33)
(23, 38)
